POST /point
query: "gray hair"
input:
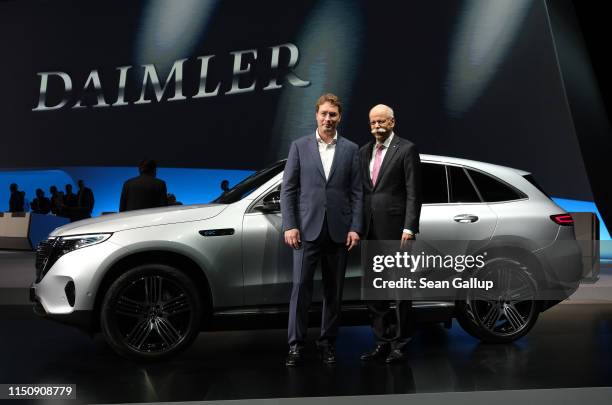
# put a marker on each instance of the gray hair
(388, 109)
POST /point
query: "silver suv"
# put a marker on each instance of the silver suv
(150, 280)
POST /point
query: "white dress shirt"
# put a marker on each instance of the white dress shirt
(386, 145)
(327, 150)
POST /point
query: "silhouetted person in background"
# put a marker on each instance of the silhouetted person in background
(172, 200)
(70, 202)
(41, 204)
(225, 186)
(85, 201)
(57, 200)
(144, 191)
(17, 199)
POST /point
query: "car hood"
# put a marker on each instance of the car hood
(140, 219)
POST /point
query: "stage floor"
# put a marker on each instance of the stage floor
(570, 346)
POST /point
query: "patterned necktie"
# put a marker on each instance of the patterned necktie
(377, 163)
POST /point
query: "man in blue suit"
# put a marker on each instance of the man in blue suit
(321, 206)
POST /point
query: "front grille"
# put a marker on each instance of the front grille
(44, 251)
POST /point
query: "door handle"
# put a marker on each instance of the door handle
(465, 218)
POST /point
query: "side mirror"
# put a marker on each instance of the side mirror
(270, 203)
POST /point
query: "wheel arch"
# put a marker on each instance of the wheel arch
(183, 263)
(519, 253)
(523, 255)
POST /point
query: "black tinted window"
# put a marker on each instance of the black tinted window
(461, 189)
(492, 189)
(433, 184)
(532, 180)
(248, 185)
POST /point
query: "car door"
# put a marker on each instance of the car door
(461, 214)
(452, 210)
(267, 261)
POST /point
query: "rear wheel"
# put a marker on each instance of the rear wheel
(505, 312)
(151, 312)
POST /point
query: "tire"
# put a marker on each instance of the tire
(151, 312)
(505, 313)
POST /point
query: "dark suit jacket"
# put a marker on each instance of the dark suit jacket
(70, 200)
(17, 201)
(306, 196)
(394, 204)
(41, 205)
(142, 192)
(85, 199)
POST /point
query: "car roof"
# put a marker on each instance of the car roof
(512, 176)
(486, 167)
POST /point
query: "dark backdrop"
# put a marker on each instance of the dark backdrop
(473, 79)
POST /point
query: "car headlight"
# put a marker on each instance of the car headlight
(49, 251)
(67, 244)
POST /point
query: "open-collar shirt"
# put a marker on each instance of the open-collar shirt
(327, 150)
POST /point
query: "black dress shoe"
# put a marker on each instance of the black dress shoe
(395, 356)
(328, 354)
(379, 352)
(295, 357)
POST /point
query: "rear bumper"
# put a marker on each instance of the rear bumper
(562, 265)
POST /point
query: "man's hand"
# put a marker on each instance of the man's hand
(352, 239)
(292, 238)
(406, 236)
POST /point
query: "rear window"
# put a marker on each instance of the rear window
(531, 179)
(492, 189)
(461, 188)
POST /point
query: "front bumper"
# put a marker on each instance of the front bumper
(70, 285)
(81, 319)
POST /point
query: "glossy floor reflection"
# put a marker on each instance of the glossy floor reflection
(570, 346)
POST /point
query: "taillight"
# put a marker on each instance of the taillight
(563, 219)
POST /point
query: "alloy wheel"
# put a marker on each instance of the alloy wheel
(509, 307)
(152, 314)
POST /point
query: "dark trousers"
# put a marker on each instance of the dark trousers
(333, 268)
(392, 326)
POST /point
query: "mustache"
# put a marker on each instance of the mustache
(378, 131)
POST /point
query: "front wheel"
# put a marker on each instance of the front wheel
(507, 311)
(151, 312)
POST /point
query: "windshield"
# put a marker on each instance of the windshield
(248, 185)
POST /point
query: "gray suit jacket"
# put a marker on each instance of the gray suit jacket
(306, 196)
(394, 204)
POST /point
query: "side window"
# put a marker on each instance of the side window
(433, 183)
(531, 179)
(491, 189)
(461, 188)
